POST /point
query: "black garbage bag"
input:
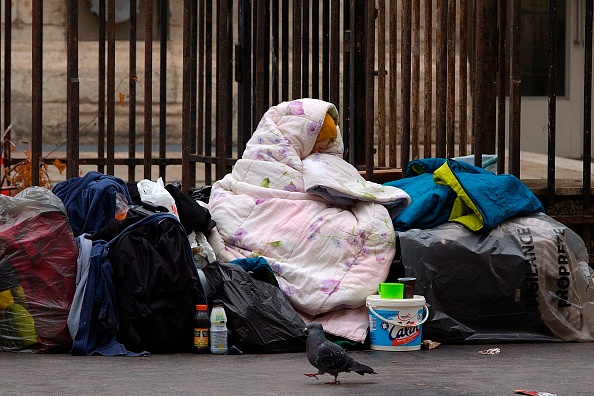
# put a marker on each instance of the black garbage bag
(526, 280)
(259, 317)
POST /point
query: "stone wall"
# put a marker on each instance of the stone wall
(54, 75)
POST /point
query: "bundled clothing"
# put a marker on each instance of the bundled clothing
(448, 190)
(325, 231)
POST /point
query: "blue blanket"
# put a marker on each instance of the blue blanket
(90, 200)
(447, 190)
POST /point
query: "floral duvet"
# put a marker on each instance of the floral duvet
(326, 232)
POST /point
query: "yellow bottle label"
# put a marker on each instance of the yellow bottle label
(201, 336)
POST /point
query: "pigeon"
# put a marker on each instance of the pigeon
(329, 357)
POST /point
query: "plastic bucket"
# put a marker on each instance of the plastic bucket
(396, 324)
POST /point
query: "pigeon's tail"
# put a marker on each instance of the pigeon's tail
(361, 369)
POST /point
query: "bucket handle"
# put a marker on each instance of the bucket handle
(425, 307)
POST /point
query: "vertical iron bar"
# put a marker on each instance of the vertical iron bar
(110, 86)
(515, 84)
(305, 50)
(72, 131)
(208, 91)
(393, 102)
(348, 100)
(297, 40)
(101, 93)
(275, 64)
(369, 68)
(163, 37)
(285, 48)
(428, 63)
(261, 78)
(7, 75)
(326, 48)
(228, 81)
(186, 89)
(441, 76)
(381, 83)
(191, 177)
(473, 81)
(451, 80)
(3, 147)
(256, 20)
(132, 91)
(501, 92)
(479, 83)
(552, 102)
(415, 77)
(315, 49)
(223, 108)
(485, 117)
(245, 73)
(405, 67)
(587, 182)
(198, 13)
(148, 89)
(37, 90)
(358, 81)
(463, 76)
(334, 52)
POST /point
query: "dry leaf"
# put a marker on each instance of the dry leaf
(122, 97)
(60, 166)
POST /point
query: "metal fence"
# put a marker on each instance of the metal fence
(404, 75)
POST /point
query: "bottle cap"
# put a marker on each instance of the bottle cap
(201, 307)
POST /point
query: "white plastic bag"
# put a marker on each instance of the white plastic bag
(203, 252)
(155, 193)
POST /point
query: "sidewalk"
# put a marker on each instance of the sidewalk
(560, 368)
(533, 166)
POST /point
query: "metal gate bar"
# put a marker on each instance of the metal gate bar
(37, 90)
(428, 88)
(587, 157)
(72, 81)
(463, 78)
(6, 136)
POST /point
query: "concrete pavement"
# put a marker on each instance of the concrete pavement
(560, 368)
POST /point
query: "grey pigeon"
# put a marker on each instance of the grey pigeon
(329, 357)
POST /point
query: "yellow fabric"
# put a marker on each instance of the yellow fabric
(464, 211)
(6, 299)
(328, 130)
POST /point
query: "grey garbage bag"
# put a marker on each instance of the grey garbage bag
(526, 280)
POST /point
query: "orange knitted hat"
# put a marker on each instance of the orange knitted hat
(328, 130)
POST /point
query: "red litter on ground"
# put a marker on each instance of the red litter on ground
(534, 393)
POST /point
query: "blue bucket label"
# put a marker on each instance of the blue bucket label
(388, 335)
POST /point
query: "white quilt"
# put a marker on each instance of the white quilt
(324, 229)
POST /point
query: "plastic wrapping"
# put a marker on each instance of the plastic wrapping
(201, 249)
(37, 272)
(155, 193)
(260, 318)
(526, 280)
